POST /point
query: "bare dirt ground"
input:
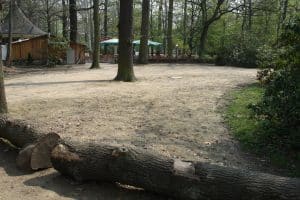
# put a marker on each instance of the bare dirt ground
(172, 109)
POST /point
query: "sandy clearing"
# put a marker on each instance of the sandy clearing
(172, 109)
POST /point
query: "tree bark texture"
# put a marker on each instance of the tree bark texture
(105, 23)
(175, 178)
(143, 52)
(73, 20)
(141, 168)
(170, 30)
(18, 132)
(96, 48)
(3, 102)
(125, 61)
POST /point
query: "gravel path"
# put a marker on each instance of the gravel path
(172, 109)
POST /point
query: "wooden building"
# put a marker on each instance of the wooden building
(29, 41)
(38, 48)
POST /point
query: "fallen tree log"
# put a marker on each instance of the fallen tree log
(140, 168)
(35, 146)
(175, 178)
(18, 132)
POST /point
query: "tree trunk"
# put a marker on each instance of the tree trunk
(96, 49)
(73, 20)
(163, 175)
(165, 26)
(170, 28)
(64, 19)
(125, 64)
(250, 13)
(203, 38)
(192, 31)
(3, 103)
(159, 20)
(105, 24)
(143, 51)
(184, 26)
(48, 17)
(10, 27)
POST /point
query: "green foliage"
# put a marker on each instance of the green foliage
(238, 115)
(279, 110)
(57, 48)
(249, 132)
(241, 51)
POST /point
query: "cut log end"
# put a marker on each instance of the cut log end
(40, 157)
(24, 157)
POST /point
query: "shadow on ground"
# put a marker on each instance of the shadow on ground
(64, 187)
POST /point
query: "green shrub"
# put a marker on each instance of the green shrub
(279, 110)
(241, 51)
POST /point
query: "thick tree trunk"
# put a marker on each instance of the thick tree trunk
(170, 30)
(143, 52)
(96, 48)
(73, 20)
(156, 173)
(125, 64)
(64, 19)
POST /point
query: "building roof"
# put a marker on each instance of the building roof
(21, 25)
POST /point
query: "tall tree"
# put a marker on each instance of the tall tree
(3, 103)
(125, 64)
(159, 18)
(96, 49)
(64, 19)
(208, 19)
(184, 26)
(105, 23)
(143, 51)
(10, 38)
(73, 20)
(170, 29)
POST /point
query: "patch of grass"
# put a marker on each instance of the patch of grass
(248, 130)
(238, 115)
